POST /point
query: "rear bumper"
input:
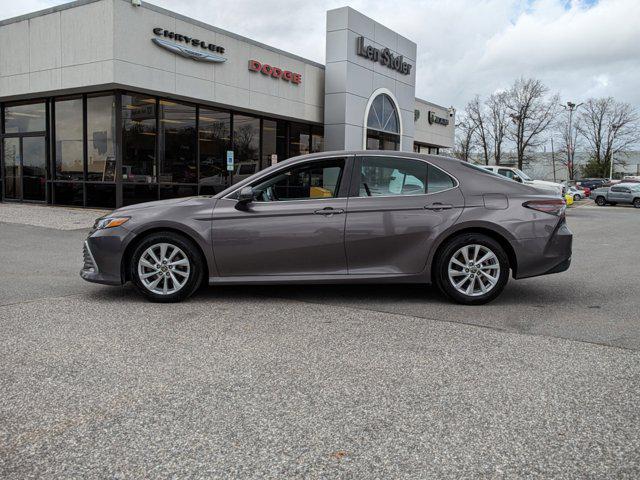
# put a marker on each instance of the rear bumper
(542, 256)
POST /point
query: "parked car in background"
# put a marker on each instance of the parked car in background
(519, 176)
(591, 182)
(586, 190)
(339, 217)
(576, 194)
(628, 193)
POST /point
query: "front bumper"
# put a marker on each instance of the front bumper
(542, 256)
(102, 256)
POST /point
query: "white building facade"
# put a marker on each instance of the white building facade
(106, 104)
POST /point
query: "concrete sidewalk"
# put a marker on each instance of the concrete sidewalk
(59, 218)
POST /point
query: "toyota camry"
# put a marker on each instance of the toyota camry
(339, 217)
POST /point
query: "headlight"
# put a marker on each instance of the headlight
(110, 222)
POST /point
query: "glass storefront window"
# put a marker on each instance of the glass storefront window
(382, 141)
(281, 140)
(177, 143)
(246, 146)
(69, 140)
(101, 195)
(299, 139)
(101, 131)
(317, 139)
(269, 141)
(25, 118)
(138, 139)
(214, 136)
(12, 183)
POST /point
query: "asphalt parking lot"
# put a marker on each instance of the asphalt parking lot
(308, 382)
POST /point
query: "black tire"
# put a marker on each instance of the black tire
(441, 268)
(196, 266)
(576, 197)
(636, 202)
(600, 201)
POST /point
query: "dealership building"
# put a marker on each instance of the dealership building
(107, 103)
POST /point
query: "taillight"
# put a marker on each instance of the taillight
(555, 206)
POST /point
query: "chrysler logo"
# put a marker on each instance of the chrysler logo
(189, 52)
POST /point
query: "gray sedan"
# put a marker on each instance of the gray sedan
(339, 217)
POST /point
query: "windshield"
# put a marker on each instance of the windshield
(523, 175)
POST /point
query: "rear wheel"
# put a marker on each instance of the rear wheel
(636, 202)
(472, 269)
(166, 267)
(601, 201)
(576, 197)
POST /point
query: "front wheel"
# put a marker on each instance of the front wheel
(600, 201)
(576, 197)
(166, 267)
(472, 269)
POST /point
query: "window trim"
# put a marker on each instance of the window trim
(354, 191)
(343, 188)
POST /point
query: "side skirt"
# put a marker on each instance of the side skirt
(319, 279)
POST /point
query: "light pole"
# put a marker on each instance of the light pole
(572, 107)
(615, 127)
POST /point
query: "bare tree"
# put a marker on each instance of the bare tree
(478, 120)
(531, 112)
(567, 132)
(497, 121)
(610, 129)
(464, 142)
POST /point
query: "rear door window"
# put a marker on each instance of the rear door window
(393, 176)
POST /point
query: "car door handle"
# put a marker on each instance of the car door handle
(438, 206)
(328, 211)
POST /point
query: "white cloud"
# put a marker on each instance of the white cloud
(578, 48)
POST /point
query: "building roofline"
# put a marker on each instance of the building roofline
(427, 102)
(155, 8)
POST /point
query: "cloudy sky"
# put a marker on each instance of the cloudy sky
(579, 48)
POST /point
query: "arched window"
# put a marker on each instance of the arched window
(383, 125)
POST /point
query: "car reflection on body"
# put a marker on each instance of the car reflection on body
(339, 217)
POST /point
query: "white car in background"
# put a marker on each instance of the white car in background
(519, 176)
(576, 193)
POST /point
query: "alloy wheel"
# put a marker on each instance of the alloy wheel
(474, 270)
(164, 269)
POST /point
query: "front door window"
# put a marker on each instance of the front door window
(315, 180)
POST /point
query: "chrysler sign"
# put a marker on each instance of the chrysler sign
(384, 56)
(183, 45)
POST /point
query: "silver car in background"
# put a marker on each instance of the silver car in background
(339, 217)
(624, 193)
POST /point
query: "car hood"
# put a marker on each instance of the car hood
(157, 203)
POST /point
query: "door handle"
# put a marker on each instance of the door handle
(438, 206)
(328, 211)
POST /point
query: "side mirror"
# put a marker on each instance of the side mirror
(245, 196)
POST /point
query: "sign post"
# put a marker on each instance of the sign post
(230, 165)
